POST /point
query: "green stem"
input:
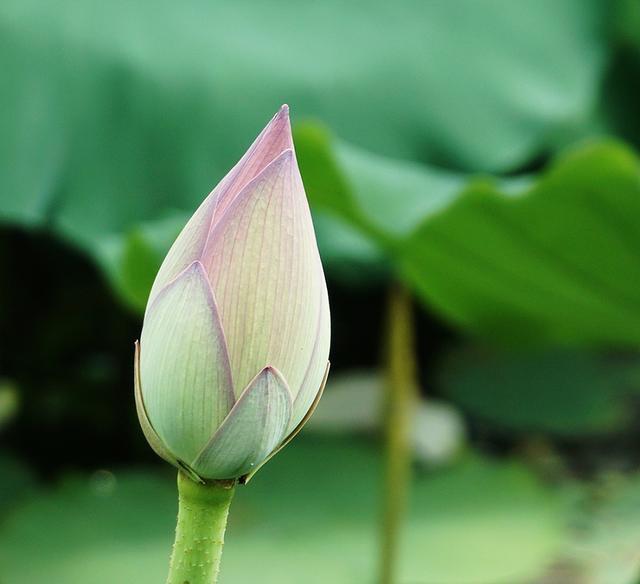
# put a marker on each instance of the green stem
(202, 520)
(402, 392)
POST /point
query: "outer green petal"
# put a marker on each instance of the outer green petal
(184, 367)
(253, 429)
(147, 429)
(246, 478)
(264, 267)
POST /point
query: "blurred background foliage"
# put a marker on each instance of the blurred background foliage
(483, 153)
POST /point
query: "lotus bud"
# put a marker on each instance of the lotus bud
(233, 353)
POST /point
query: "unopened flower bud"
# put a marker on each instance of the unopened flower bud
(234, 347)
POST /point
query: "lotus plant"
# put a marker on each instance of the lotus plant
(234, 349)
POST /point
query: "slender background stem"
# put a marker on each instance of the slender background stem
(401, 396)
(202, 520)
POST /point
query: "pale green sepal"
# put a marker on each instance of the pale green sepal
(147, 429)
(246, 478)
(184, 366)
(254, 427)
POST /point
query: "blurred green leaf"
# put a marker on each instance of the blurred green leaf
(84, 532)
(131, 261)
(627, 22)
(32, 150)
(551, 260)
(567, 393)
(113, 114)
(482, 523)
(555, 263)
(106, 126)
(383, 198)
(310, 515)
(346, 253)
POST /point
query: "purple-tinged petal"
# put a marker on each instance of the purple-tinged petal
(254, 427)
(184, 366)
(272, 141)
(190, 243)
(264, 267)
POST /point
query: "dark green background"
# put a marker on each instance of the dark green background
(483, 153)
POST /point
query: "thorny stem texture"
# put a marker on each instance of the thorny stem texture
(202, 519)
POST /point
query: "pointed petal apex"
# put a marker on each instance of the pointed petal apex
(254, 427)
(278, 131)
(272, 141)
